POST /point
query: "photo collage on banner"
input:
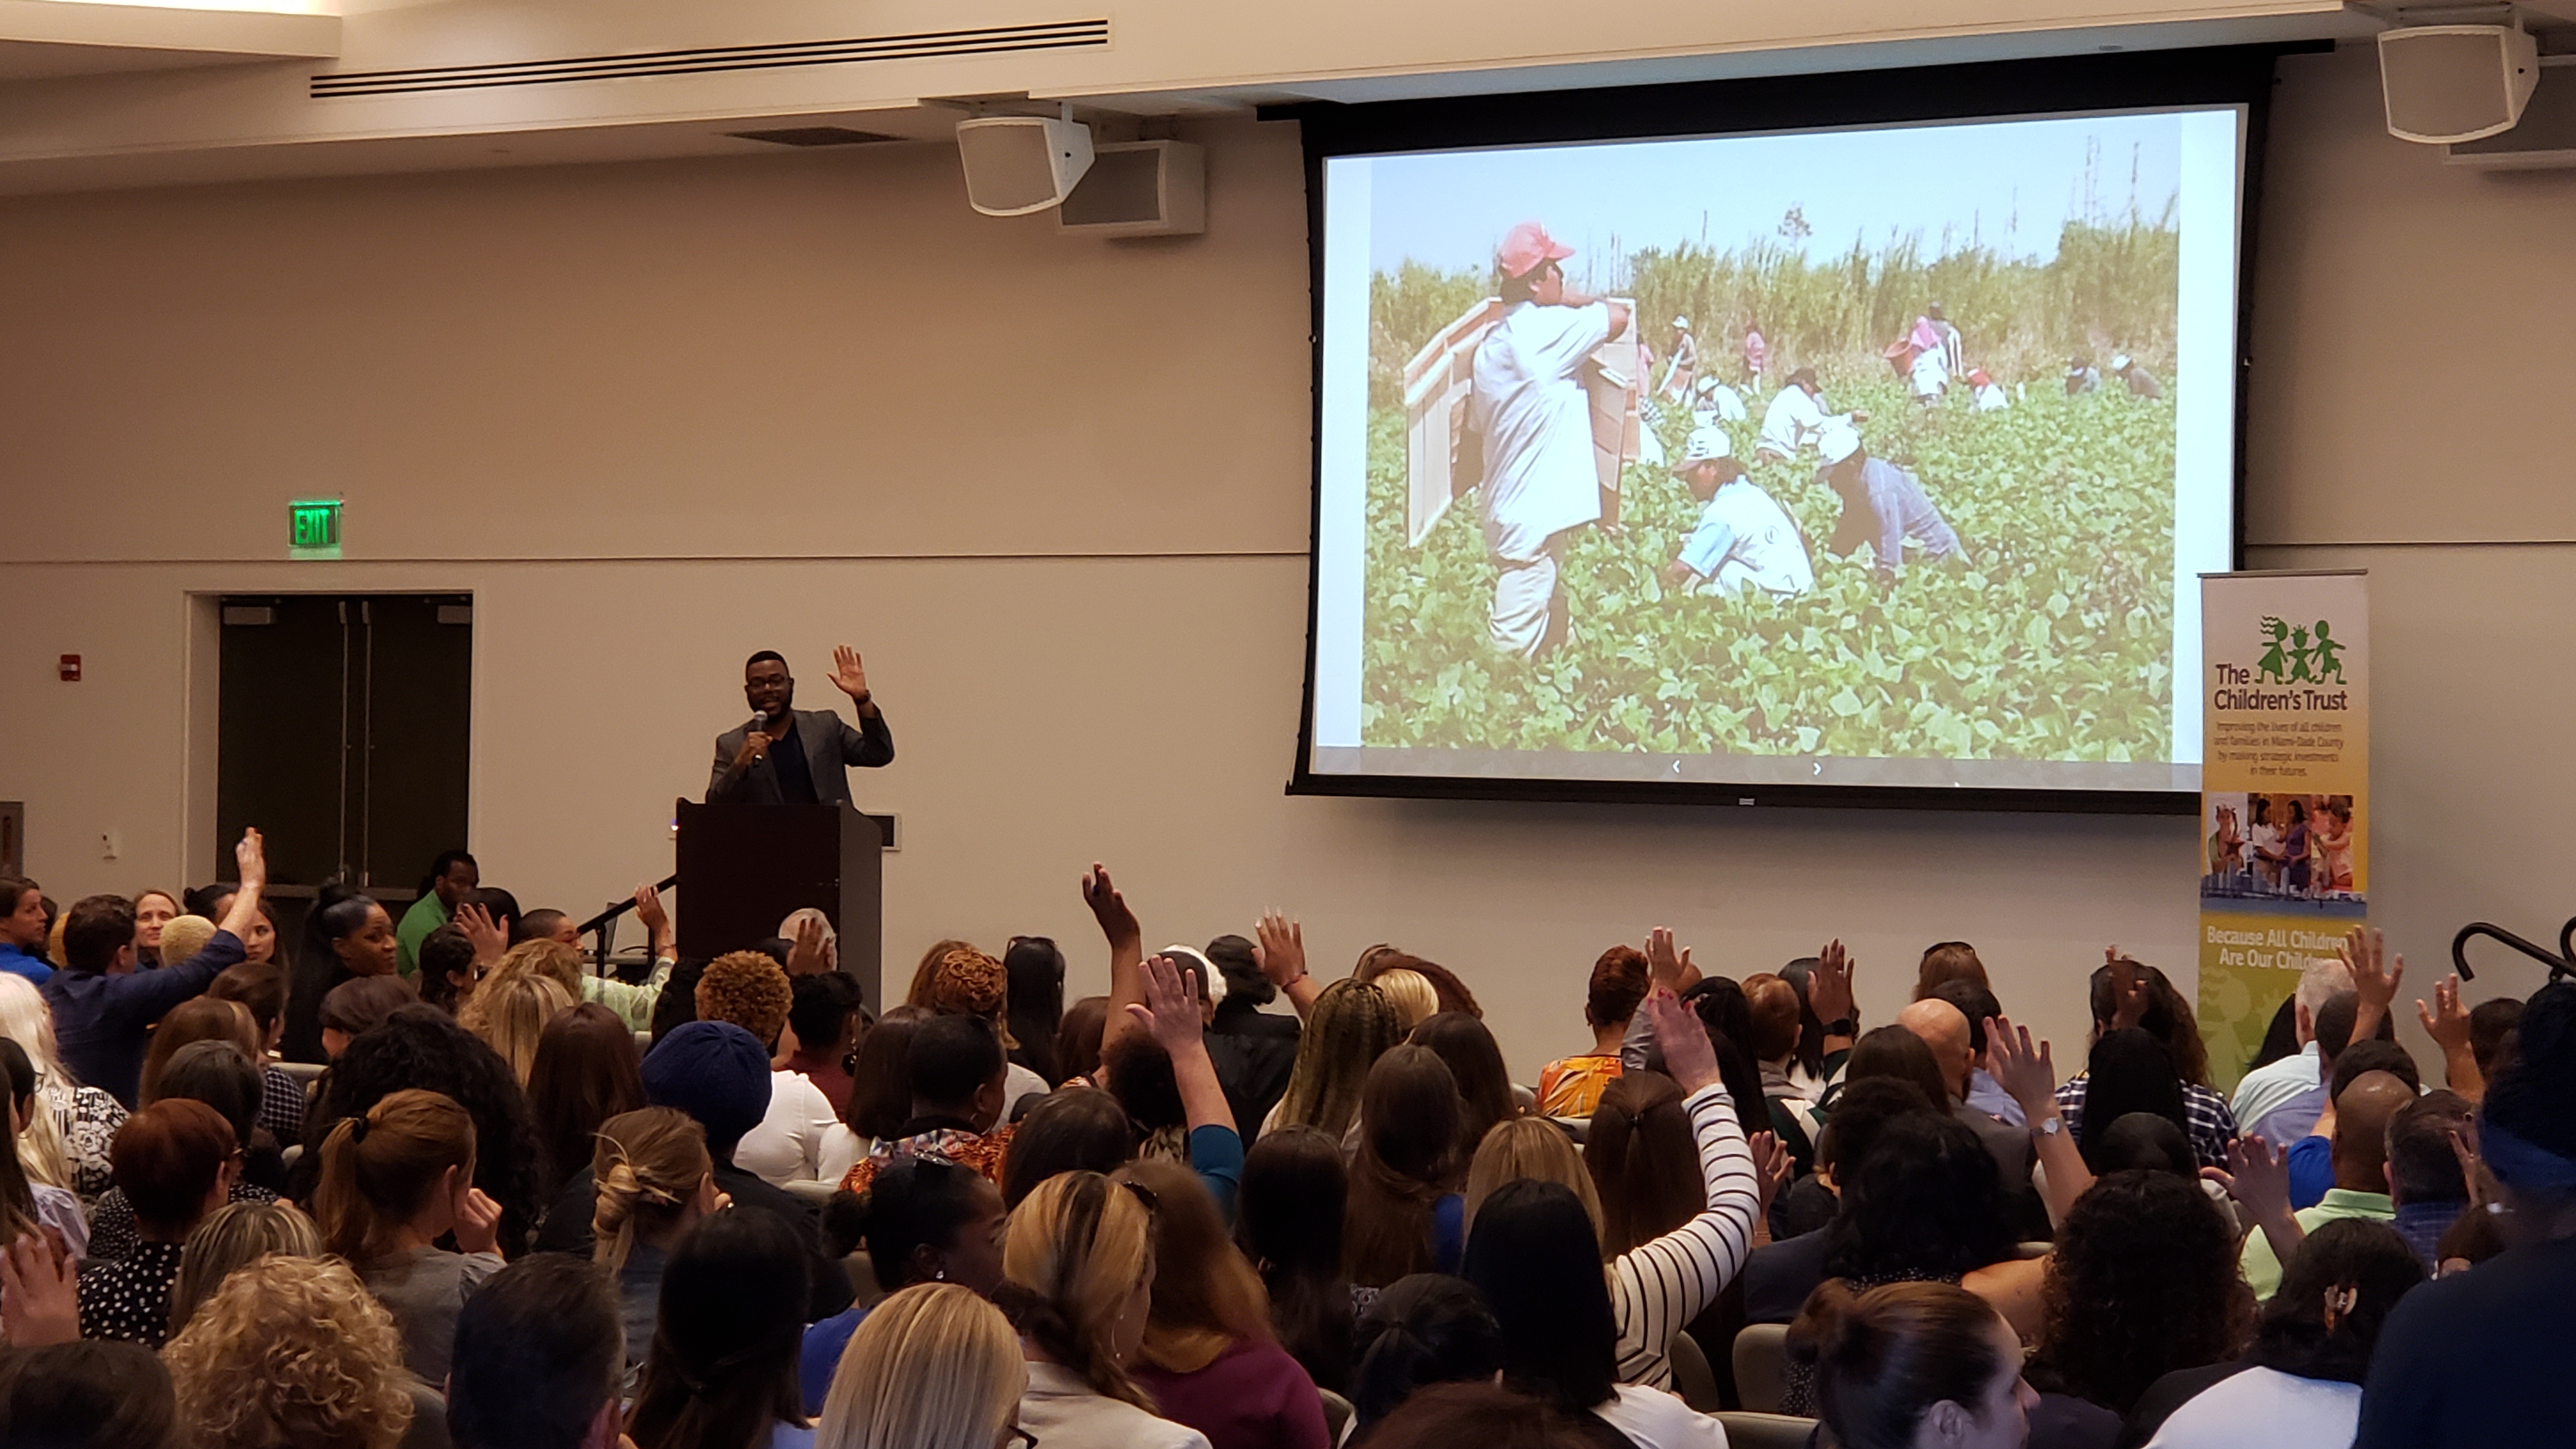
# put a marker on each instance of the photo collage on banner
(2285, 792)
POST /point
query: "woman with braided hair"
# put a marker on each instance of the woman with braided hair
(1078, 1269)
(652, 1181)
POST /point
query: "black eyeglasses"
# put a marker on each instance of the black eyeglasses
(1015, 1437)
(1143, 1194)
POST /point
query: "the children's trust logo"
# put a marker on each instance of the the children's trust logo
(2299, 654)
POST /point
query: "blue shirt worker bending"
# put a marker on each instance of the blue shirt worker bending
(1884, 506)
(1744, 539)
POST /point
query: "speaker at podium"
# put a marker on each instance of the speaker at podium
(745, 868)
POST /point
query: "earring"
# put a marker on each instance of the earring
(939, 1276)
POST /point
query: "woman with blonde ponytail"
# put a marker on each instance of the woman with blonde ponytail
(654, 1181)
(1078, 1269)
(394, 1182)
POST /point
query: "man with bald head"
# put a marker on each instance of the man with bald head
(2367, 1104)
(1944, 1028)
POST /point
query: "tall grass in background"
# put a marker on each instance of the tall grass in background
(2111, 287)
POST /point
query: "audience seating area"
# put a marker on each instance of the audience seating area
(1242, 1201)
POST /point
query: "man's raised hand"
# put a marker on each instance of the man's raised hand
(849, 675)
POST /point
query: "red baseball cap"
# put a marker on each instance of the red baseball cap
(1527, 245)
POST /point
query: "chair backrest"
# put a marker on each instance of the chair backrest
(1693, 1379)
(1337, 1415)
(1762, 1366)
(1766, 1431)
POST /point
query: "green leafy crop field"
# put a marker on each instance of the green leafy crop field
(2051, 643)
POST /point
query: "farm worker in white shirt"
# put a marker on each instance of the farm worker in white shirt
(1743, 538)
(1530, 405)
(1990, 393)
(1713, 402)
(1796, 418)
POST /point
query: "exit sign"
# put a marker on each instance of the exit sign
(313, 528)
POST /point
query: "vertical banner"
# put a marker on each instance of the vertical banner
(2285, 792)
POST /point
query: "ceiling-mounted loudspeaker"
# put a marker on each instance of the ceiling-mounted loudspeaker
(2448, 83)
(1019, 164)
(1140, 188)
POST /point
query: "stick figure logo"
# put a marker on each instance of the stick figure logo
(2299, 653)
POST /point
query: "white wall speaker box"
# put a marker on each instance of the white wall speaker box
(1019, 164)
(1140, 188)
(2449, 83)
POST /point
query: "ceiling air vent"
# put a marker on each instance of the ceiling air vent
(814, 136)
(707, 60)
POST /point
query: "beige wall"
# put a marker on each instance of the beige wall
(1058, 491)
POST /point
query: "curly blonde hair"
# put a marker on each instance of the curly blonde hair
(747, 989)
(289, 1352)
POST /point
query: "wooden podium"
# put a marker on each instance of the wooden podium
(743, 868)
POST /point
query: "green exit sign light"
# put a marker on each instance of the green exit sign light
(313, 528)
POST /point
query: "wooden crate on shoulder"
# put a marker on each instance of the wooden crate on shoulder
(1438, 382)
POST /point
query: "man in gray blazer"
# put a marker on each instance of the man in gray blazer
(788, 756)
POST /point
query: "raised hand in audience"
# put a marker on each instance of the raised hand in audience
(1109, 908)
(2257, 1175)
(250, 858)
(2446, 1021)
(39, 1291)
(1279, 949)
(1170, 1011)
(2131, 993)
(1690, 1059)
(1668, 968)
(491, 936)
(2375, 975)
(1126, 950)
(1771, 1168)
(2028, 1075)
(1829, 989)
(810, 954)
(657, 920)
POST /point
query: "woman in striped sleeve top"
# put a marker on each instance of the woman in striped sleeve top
(1660, 1284)
(1663, 1276)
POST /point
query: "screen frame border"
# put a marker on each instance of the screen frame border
(2128, 80)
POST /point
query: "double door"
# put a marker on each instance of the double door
(343, 735)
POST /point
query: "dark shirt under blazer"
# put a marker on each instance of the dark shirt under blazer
(831, 744)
